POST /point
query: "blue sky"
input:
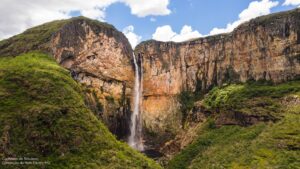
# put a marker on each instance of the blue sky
(201, 15)
(165, 20)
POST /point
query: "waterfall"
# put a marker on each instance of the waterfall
(135, 139)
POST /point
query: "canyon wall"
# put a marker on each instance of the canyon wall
(97, 55)
(265, 48)
(100, 57)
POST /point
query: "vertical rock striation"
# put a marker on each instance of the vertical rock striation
(99, 57)
(265, 48)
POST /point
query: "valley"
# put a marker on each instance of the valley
(75, 94)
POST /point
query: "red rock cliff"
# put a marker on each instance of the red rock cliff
(265, 48)
(99, 57)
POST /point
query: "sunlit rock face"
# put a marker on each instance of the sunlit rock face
(266, 48)
(99, 57)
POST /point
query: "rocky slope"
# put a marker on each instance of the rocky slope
(265, 48)
(97, 55)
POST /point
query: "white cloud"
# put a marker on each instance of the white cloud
(133, 38)
(165, 33)
(143, 8)
(255, 9)
(291, 2)
(19, 15)
(152, 19)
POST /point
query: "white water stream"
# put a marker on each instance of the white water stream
(135, 139)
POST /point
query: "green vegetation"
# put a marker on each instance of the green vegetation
(110, 99)
(251, 98)
(39, 37)
(43, 115)
(218, 141)
(262, 145)
(187, 100)
(99, 105)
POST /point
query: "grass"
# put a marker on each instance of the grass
(218, 141)
(262, 145)
(43, 115)
(250, 98)
(259, 146)
(39, 37)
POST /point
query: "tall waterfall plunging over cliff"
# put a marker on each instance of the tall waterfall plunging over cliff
(135, 139)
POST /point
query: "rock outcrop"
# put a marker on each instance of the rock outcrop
(265, 48)
(97, 55)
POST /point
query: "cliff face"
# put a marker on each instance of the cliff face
(266, 48)
(99, 57)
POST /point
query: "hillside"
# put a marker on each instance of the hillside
(245, 126)
(69, 89)
(43, 115)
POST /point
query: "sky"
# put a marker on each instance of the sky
(140, 20)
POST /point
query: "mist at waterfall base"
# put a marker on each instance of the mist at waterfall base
(135, 139)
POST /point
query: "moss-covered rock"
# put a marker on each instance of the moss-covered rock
(43, 115)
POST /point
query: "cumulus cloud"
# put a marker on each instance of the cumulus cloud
(19, 15)
(133, 38)
(165, 33)
(143, 8)
(255, 9)
(291, 2)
